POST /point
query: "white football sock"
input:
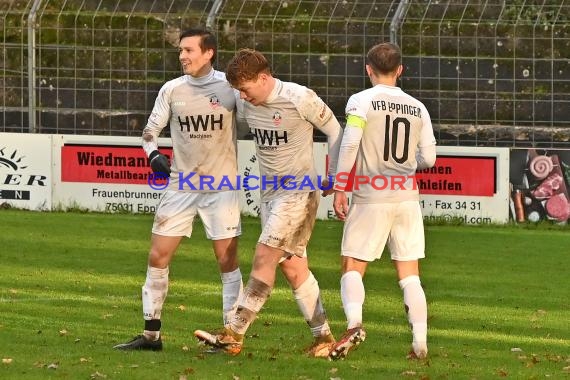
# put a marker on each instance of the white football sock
(153, 295)
(232, 289)
(309, 301)
(254, 296)
(352, 294)
(416, 307)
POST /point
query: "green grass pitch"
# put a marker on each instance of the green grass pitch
(498, 299)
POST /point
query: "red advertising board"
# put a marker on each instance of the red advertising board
(454, 175)
(105, 164)
(459, 175)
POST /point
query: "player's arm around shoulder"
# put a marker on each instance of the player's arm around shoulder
(242, 127)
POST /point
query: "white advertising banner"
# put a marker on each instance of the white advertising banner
(25, 171)
(111, 174)
(467, 183)
(102, 173)
(248, 166)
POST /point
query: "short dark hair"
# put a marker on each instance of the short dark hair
(246, 65)
(384, 58)
(207, 40)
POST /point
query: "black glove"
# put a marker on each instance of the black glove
(159, 162)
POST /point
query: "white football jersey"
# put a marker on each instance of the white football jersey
(201, 115)
(395, 126)
(282, 129)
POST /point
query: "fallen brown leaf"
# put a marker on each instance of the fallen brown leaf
(181, 308)
(53, 366)
(7, 360)
(98, 375)
(63, 332)
(554, 358)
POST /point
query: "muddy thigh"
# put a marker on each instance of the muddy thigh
(301, 231)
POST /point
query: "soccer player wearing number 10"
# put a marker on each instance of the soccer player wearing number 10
(388, 133)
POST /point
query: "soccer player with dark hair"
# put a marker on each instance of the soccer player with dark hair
(389, 134)
(200, 109)
(282, 117)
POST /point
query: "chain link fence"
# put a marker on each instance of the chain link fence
(490, 72)
(98, 63)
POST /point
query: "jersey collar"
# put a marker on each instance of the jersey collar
(391, 88)
(275, 92)
(201, 80)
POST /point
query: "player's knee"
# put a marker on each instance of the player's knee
(408, 280)
(227, 263)
(407, 269)
(158, 258)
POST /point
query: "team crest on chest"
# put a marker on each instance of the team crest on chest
(214, 102)
(277, 118)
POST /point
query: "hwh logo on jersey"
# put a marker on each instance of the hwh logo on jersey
(203, 122)
(265, 137)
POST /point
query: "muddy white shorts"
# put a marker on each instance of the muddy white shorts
(219, 212)
(287, 222)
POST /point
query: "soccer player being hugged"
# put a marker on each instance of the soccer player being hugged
(200, 108)
(388, 135)
(282, 117)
